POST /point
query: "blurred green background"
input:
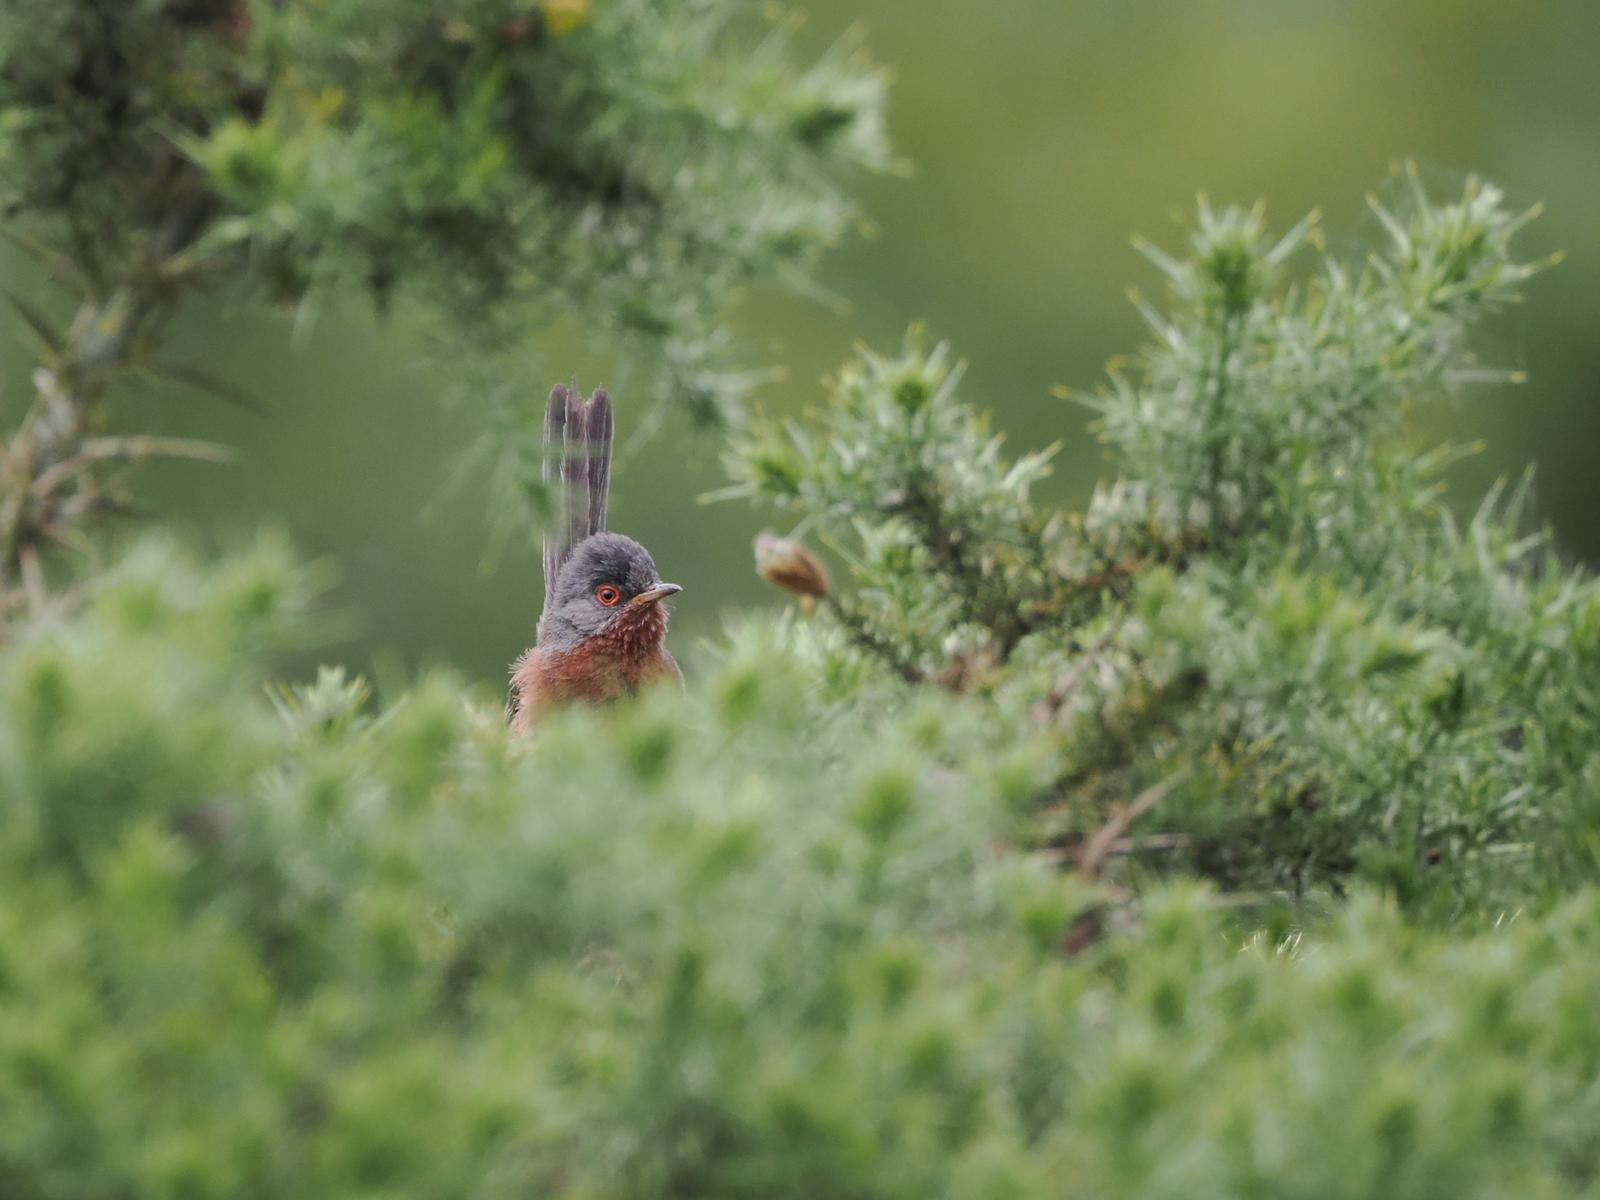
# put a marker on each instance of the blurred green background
(1042, 135)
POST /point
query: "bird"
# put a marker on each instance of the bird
(602, 633)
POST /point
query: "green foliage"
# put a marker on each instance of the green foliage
(624, 163)
(901, 899)
(738, 944)
(626, 166)
(942, 523)
(1269, 623)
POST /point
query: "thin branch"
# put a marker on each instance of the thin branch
(1069, 682)
(33, 580)
(134, 448)
(1099, 846)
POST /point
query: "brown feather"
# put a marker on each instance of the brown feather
(632, 655)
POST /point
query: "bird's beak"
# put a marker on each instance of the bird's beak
(656, 594)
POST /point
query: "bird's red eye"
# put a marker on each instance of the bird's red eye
(608, 596)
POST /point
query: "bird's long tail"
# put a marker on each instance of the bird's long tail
(577, 469)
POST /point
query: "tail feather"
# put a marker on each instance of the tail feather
(575, 471)
(555, 440)
(601, 432)
(577, 467)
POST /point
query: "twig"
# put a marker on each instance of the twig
(128, 449)
(33, 581)
(1155, 843)
(51, 447)
(1068, 683)
(1095, 851)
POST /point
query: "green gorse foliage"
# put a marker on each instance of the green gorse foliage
(626, 166)
(1231, 837)
(1268, 624)
(737, 944)
(622, 163)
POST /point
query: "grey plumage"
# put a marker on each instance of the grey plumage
(602, 631)
(573, 615)
(578, 436)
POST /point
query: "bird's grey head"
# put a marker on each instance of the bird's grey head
(608, 581)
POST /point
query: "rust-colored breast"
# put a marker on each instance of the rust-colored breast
(631, 655)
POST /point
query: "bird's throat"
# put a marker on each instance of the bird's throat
(635, 636)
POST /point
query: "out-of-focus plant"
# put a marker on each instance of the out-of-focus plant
(891, 902)
(627, 164)
(749, 941)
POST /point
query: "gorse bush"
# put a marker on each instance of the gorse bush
(624, 163)
(741, 943)
(502, 164)
(1232, 837)
(1269, 625)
